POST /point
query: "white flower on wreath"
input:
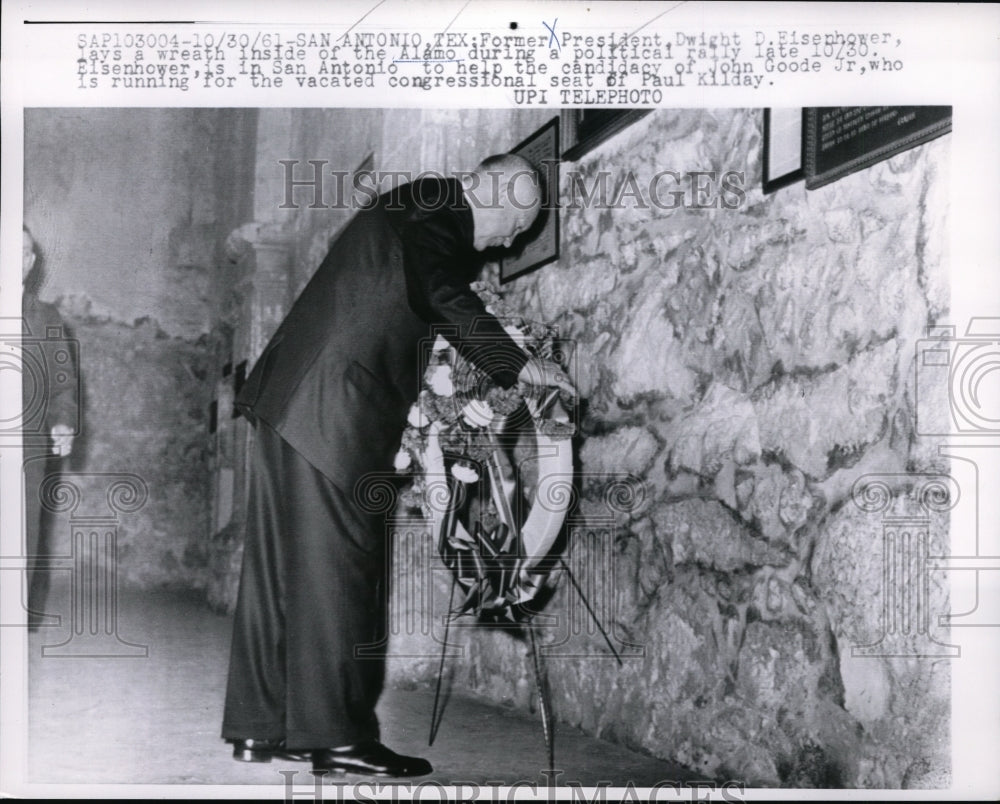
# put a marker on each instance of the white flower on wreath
(439, 380)
(402, 460)
(478, 413)
(465, 474)
(416, 417)
(516, 335)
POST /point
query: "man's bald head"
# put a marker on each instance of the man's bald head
(505, 193)
(518, 179)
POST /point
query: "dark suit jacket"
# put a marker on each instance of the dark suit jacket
(50, 380)
(339, 375)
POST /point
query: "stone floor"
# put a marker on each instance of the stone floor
(154, 719)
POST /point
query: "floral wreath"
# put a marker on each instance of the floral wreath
(456, 448)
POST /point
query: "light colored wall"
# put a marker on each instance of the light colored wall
(129, 209)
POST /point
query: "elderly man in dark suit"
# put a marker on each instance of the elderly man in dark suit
(329, 398)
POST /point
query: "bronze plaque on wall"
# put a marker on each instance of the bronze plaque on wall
(842, 139)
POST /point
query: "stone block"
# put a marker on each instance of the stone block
(647, 358)
(655, 560)
(705, 533)
(842, 225)
(579, 288)
(812, 421)
(849, 558)
(627, 450)
(932, 245)
(867, 687)
(743, 359)
(722, 425)
(780, 667)
(925, 415)
(789, 672)
(779, 502)
(776, 599)
(895, 676)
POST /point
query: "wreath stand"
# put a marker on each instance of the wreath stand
(502, 571)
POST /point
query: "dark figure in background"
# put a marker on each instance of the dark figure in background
(51, 414)
(329, 398)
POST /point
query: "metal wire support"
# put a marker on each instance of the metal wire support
(543, 701)
(590, 611)
(436, 717)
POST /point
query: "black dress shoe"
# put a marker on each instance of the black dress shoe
(265, 750)
(370, 758)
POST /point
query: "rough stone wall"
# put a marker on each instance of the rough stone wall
(129, 209)
(749, 366)
(745, 367)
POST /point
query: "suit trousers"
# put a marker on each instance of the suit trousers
(39, 522)
(312, 596)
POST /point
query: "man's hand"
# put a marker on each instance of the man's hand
(546, 373)
(62, 439)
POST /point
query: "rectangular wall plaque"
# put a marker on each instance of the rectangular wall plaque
(540, 244)
(783, 141)
(843, 139)
(585, 129)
